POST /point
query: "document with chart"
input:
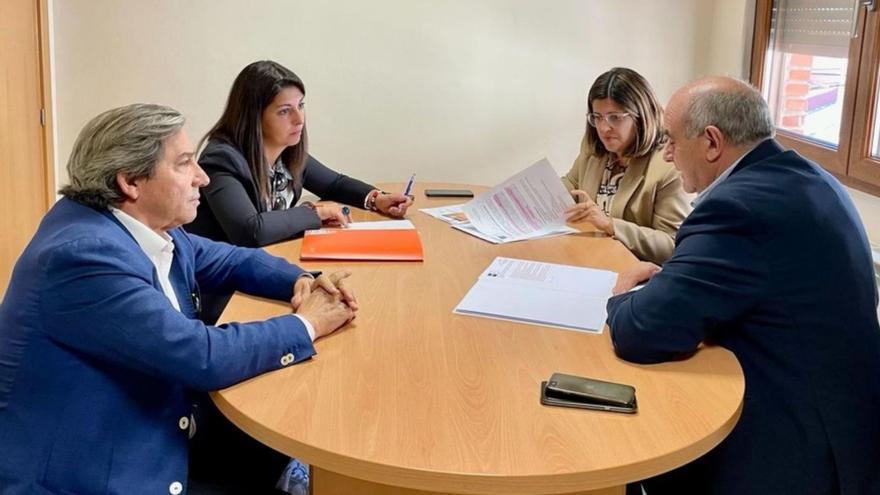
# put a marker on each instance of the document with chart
(451, 214)
(548, 294)
(529, 205)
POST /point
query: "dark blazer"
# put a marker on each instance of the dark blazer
(231, 210)
(773, 264)
(98, 370)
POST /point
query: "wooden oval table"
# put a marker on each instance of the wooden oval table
(412, 399)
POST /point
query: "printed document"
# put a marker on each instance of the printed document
(529, 205)
(451, 214)
(547, 294)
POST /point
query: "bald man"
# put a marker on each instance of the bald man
(773, 264)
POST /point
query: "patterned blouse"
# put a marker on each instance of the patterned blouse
(611, 178)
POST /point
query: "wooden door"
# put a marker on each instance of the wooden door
(26, 178)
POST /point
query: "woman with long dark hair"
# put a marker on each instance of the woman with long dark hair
(621, 182)
(258, 161)
(257, 158)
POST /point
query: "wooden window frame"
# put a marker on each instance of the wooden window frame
(851, 162)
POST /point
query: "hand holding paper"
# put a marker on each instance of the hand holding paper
(529, 205)
(587, 209)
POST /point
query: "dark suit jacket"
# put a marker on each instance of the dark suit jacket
(773, 264)
(231, 211)
(98, 370)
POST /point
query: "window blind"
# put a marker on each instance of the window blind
(813, 27)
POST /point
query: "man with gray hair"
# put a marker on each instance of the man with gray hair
(101, 350)
(774, 265)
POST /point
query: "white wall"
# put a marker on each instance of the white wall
(869, 209)
(469, 90)
(726, 38)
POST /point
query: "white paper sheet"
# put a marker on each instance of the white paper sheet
(382, 225)
(379, 225)
(529, 205)
(545, 294)
(468, 228)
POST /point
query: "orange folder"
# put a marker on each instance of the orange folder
(346, 244)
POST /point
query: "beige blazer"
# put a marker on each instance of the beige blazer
(649, 206)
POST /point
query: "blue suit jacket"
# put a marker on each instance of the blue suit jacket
(774, 265)
(97, 368)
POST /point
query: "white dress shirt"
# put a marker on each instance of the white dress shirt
(160, 250)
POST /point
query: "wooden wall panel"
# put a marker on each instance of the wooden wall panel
(25, 173)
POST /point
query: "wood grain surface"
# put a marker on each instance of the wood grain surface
(411, 395)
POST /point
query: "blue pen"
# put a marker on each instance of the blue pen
(347, 212)
(407, 191)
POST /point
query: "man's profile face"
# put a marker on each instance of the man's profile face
(170, 197)
(684, 152)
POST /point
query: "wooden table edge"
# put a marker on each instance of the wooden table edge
(418, 479)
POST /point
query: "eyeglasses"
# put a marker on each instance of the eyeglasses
(279, 181)
(613, 119)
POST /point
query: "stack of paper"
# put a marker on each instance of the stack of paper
(395, 240)
(546, 294)
(529, 205)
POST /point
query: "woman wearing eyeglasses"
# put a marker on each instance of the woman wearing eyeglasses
(620, 181)
(258, 161)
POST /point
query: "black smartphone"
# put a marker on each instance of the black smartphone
(553, 401)
(548, 400)
(449, 193)
(582, 389)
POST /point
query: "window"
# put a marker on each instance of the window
(816, 62)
